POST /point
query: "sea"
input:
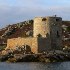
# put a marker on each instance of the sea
(35, 66)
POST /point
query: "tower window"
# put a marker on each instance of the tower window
(58, 34)
(44, 19)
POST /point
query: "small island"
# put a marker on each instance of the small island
(37, 40)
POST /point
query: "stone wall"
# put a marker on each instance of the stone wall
(31, 42)
(37, 45)
(44, 44)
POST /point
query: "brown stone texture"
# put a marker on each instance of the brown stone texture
(47, 35)
(15, 42)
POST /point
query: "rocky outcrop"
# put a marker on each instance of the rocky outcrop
(42, 57)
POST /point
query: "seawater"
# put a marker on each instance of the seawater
(35, 66)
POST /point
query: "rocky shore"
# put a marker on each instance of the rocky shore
(30, 57)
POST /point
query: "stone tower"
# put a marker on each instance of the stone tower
(41, 27)
(49, 27)
(55, 32)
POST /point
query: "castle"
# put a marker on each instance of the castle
(47, 35)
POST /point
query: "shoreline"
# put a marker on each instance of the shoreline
(43, 57)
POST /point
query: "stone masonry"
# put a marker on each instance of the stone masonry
(47, 35)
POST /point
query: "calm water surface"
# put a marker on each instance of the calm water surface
(35, 66)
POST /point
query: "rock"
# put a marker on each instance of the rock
(26, 58)
(12, 60)
(3, 58)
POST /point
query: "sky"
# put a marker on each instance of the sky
(13, 11)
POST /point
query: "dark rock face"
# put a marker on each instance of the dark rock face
(28, 58)
(35, 57)
(5, 57)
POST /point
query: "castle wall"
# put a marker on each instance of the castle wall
(44, 44)
(32, 42)
(37, 45)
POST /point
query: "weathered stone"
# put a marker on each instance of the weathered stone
(47, 35)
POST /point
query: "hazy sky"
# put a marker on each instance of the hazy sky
(13, 11)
